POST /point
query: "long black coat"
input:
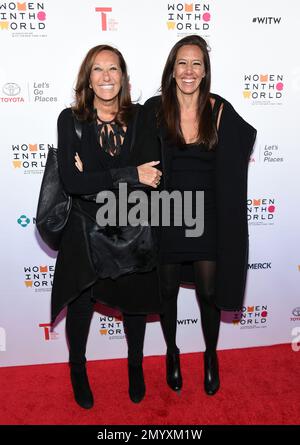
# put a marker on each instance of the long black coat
(235, 143)
(75, 269)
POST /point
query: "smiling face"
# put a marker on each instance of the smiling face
(106, 77)
(189, 69)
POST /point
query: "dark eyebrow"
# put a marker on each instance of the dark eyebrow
(184, 60)
(112, 64)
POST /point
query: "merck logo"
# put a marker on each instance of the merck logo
(23, 220)
(103, 11)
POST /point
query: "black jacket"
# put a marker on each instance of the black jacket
(235, 143)
(75, 268)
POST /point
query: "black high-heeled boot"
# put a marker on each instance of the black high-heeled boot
(137, 388)
(174, 378)
(81, 388)
(211, 373)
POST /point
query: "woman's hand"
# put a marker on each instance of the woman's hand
(78, 162)
(148, 174)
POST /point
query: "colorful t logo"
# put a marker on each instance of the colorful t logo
(103, 17)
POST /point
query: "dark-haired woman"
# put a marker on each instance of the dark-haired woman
(205, 146)
(86, 271)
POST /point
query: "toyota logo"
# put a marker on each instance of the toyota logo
(296, 312)
(11, 89)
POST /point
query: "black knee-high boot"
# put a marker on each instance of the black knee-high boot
(210, 320)
(135, 326)
(169, 324)
(169, 283)
(205, 273)
(78, 320)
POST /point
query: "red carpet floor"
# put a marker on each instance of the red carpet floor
(258, 386)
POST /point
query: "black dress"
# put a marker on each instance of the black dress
(236, 138)
(192, 169)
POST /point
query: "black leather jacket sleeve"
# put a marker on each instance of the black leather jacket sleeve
(125, 174)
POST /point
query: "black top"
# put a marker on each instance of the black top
(192, 169)
(98, 169)
(112, 144)
(101, 170)
(110, 136)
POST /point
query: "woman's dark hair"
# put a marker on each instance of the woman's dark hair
(84, 95)
(170, 111)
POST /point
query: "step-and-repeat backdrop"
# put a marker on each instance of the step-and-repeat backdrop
(255, 65)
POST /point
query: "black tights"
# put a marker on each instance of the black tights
(80, 312)
(205, 272)
(135, 326)
(79, 316)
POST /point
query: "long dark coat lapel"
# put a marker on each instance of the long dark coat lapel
(236, 140)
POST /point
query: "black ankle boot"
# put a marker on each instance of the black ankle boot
(174, 378)
(81, 388)
(211, 373)
(137, 387)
